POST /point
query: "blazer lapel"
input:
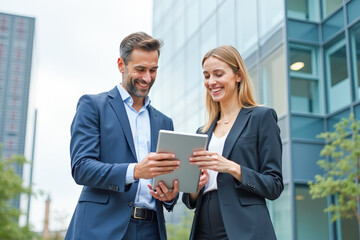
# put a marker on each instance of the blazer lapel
(155, 127)
(117, 104)
(236, 130)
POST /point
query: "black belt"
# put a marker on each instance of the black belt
(143, 214)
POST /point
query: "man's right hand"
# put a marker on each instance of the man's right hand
(155, 164)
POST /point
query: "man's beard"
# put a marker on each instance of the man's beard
(134, 91)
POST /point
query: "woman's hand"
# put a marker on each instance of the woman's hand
(204, 178)
(216, 162)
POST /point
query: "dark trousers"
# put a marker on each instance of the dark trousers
(210, 223)
(142, 229)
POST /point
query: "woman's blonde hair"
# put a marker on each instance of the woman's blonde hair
(231, 56)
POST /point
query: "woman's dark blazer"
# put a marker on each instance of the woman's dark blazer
(254, 143)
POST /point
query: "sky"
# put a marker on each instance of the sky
(75, 52)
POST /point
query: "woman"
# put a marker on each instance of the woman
(242, 165)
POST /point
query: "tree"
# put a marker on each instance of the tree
(341, 170)
(10, 188)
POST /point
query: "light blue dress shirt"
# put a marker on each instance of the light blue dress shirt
(140, 129)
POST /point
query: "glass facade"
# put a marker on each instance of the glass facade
(16, 45)
(280, 213)
(355, 56)
(303, 57)
(273, 81)
(311, 221)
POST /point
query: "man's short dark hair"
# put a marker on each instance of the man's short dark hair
(138, 40)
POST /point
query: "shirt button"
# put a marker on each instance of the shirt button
(131, 204)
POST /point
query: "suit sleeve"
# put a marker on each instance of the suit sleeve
(86, 167)
(268, 181)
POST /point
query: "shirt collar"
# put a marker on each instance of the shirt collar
(128, 99)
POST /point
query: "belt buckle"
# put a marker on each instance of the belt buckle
(134, 214)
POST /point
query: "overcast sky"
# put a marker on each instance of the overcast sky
(75, 52)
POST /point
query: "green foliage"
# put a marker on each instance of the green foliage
(341, 169)
(181, 231)
(10, 188)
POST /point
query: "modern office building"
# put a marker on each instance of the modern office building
(16, 45)
(304, 60)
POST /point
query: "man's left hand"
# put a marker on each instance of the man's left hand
(162, 193)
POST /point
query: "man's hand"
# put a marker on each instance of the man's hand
(162, 193)
(155, 164)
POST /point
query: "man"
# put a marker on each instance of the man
(113, 140)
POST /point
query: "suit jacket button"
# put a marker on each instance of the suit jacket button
(220, 179)
(131, 204)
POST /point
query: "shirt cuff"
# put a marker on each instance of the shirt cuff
(170, 203)
(130, 174)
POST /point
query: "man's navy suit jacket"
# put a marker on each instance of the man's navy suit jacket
(254, 143)
(101, 149)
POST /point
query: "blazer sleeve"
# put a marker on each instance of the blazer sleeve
(86, 167)
(267, 182)
(186, 200)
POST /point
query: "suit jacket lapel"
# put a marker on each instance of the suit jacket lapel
(236, 130)
(155, 127)
(117, 104)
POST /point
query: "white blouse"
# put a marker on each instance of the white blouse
(216, 145)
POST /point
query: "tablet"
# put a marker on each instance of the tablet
(182, 145)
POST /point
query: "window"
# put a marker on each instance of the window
(304, 156)
(226, 22)
(355, 54)
(305, 87)
(207, 8)
(329, 6)
(311, 221)
(306, 127)
(338, 83)
(253, 74)
(208, 35)
(280, 213)
(337, 118)
(192, 17)
(246, 34)
(349, 228)
(357, 111)
(303, 9)
(333, 25)
(273, 82)
(271, 13)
